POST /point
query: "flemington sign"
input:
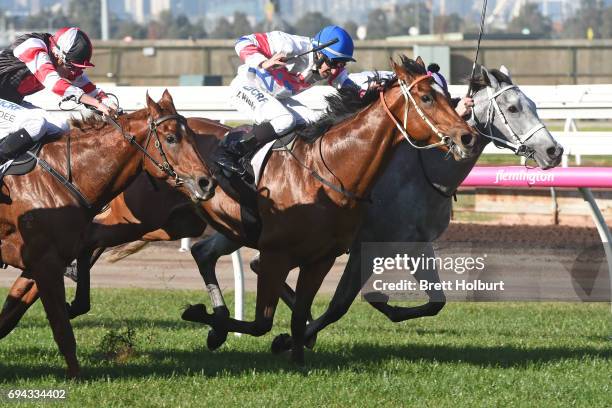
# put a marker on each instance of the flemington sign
(520, 176)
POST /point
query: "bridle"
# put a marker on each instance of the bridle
(165, 166)
(517, 145)
(444, 140)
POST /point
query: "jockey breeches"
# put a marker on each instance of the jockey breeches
(36, 121)
(260, 106)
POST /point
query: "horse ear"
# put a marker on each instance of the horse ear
(489, 79)
(504, 70)
(167, 102)
(153, 108)
(420, 61)
(399, 71)
(394, 66)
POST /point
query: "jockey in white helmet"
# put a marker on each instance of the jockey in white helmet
(276, 67)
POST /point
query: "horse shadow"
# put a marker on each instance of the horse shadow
(172, 363)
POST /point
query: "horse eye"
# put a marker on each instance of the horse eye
(426, 98)
(171, 139)
(512, 109)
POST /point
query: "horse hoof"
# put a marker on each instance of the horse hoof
(311, 341)
(281, 343)
(376, 297)
(255, 266)
(75, 310)
(196, 313)
(215, 340)
(297, 357)
(73, 373)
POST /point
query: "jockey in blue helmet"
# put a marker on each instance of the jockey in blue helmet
(277, 66)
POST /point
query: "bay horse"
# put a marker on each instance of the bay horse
(366, 131)
(432, 180)
(42, 223)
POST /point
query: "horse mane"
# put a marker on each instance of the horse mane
(479, 82)
(95, 121)
(89, 122)
(347, 102)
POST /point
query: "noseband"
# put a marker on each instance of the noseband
(444, 140)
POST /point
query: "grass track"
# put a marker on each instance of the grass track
(495, 354)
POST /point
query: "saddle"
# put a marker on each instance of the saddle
(23, 164)
(254, 162)
(243, 188)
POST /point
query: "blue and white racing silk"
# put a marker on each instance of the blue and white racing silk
(291, 79)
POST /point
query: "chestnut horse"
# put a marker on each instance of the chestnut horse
(295, 219)
(42, 223)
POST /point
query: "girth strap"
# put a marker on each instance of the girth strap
(69, 186)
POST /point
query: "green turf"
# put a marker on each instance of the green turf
(497, 354)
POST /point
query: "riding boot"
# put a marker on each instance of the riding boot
(230, 153)
(15, 144)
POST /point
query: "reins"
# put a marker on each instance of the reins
(166, 167)
(444, 140)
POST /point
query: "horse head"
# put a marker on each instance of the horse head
(434, 123)
(505, 114)
(173, 152)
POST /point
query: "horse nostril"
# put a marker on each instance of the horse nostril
(467, 139)
(203, 183)
(551, 152)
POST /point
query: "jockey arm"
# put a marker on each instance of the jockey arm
(266, 50)
(90, 90)
(34, 54)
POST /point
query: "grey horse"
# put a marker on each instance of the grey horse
(412, 201)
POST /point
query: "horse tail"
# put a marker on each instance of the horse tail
(123, 251)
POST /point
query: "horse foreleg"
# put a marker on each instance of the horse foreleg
(275, 268)
(82, 298)
(436, 302)
(309, 281)
(21, 296)
(346, 292)
(287, 293)
(49, 278)
(206, 253)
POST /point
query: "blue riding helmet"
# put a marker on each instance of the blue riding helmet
(340, 51)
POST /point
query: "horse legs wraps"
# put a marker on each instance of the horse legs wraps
(206, 253)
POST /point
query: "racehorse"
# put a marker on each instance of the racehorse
(502, 114)
(42, 223)
(361, 131)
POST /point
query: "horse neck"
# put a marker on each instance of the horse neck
(102, 162)
(362, 144)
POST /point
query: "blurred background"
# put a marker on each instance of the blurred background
(164, 42)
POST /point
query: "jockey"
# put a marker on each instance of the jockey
(36, 61)
(276, 67)
(463, 106)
